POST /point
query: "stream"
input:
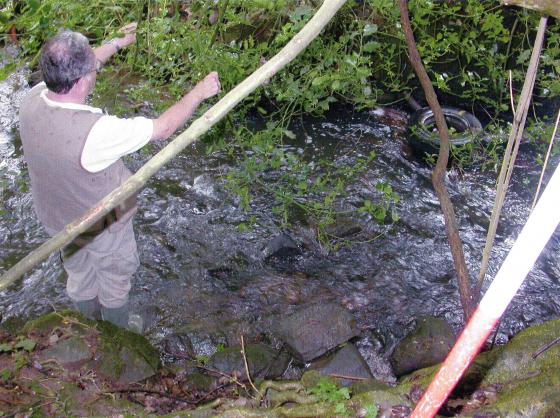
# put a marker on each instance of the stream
(197, 268)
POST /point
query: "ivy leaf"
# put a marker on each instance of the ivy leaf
(371, 46)
(5, 348)
(27, 344)
(33, 5)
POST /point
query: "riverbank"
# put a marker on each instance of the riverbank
(63, 365)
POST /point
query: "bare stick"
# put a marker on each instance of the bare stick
(199, 127)
(440, 169)
(545, 348)
(511, 151)
(546, 161)
(511, 99)
(247, 366)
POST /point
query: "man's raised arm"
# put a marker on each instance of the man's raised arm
(112, 46)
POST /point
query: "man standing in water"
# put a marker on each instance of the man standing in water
(73, 152)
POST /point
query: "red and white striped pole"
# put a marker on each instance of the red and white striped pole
(533, 237)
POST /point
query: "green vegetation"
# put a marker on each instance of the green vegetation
(468, 48)
(327, 391)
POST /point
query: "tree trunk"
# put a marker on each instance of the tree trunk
(548, 7)
(192, 134)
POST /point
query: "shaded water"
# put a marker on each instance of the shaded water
(198, 269)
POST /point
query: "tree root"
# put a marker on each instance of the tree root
(281, 393)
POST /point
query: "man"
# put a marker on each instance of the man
(73, 152)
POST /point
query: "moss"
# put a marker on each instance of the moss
(538, 397)
(108, 362)
(115, 338)
(13, 325)
(74, 401)
(52, 320)
(312, 377)
(526, 386)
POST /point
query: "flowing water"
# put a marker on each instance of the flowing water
(198, 268)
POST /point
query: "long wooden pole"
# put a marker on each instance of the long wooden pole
(199, 127)
(547, 7)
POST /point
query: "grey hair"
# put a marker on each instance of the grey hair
(65, 58)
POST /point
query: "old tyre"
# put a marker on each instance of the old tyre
(423, 136)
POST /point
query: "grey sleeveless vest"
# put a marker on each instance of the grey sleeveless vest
(53, 139)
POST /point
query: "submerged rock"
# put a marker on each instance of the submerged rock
(314, 330)
(344, 362)
(262, 361)
(428, 344)
(281, 246)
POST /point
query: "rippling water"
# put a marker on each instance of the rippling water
(197, 268)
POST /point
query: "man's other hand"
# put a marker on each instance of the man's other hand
(209, 86)
(129, 37)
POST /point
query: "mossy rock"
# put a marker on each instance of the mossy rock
(71, 350)
(124, 356)
(428, 344)
(121, 356)
(12, 325)
(525, 387)
(74, 401)
(198, 382)
(52, 320)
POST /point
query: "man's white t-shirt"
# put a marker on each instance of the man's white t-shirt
(110, 138)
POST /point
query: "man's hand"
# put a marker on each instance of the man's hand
(208, 87)
(176, 116)
(129, 37)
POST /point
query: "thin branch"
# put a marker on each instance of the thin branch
(545, 348)
(247, 366)
(511, 99)
(440, 169)
(546, 161)
(510, 153)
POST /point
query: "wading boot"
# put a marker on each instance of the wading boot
(91, 309)
(123, 319)
(117, 316)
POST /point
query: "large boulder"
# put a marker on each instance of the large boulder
(316, 329)
(428, 344)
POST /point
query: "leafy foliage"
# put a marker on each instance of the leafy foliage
(326, 390)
